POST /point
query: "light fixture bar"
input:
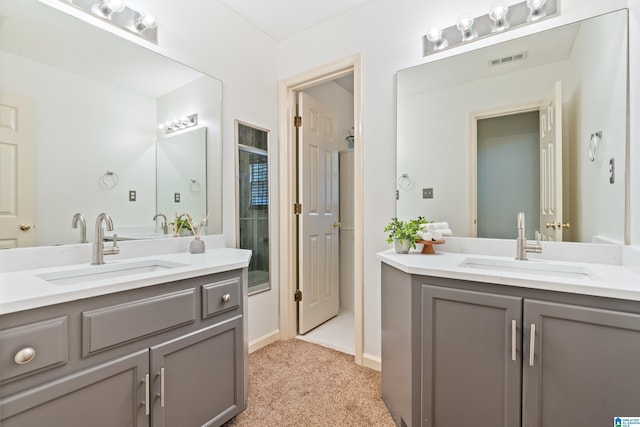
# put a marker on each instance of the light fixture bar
(181, 123)
(517, 16)
(128, 19)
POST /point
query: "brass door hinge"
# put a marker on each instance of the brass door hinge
(297, 121)
(297, 208)
(297, 296)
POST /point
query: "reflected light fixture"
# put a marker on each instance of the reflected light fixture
(465, 25)
(181, 123)
(106, 8)
(435, 36)
(536, 9)
(498, 15)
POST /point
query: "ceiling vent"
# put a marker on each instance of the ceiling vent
(508, 59)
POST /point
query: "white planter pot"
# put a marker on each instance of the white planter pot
(401, 248)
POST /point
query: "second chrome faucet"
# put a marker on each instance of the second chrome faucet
(522, 246)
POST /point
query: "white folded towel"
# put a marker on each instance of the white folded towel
(433, 226)
(435, 234)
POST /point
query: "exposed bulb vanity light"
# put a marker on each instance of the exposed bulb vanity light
(145, 21)
(435, 36)
(117, 13)
(498, 14)
(536, 9)
(181, 123)
(501, 17)
(106, 8)
(465, 25)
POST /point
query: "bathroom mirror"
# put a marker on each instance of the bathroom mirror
(181, 170)
(453, 136)
(95, 105)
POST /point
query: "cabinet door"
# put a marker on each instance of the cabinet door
(471, 365)
(586, 366)
(198, 378)
(108, 395)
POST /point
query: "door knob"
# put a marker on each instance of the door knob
(25, 227)
(337, 224)
(551, 225)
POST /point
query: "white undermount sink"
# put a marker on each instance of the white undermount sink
(107, 271)
(530, 267)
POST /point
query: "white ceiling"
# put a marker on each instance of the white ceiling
(283, 18)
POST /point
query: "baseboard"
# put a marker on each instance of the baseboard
(372, 362)
(264, 341)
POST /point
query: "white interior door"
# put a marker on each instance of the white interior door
(318, 240)
(16, 172)
(551, 166)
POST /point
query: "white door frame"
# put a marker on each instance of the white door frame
(473, 153)
(287, 90)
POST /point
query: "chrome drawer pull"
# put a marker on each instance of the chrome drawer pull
(25, 355)
(162, 387)
(532, 344)
(226, 298)
(146, 395)
(514, 330)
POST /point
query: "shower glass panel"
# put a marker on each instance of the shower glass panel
(253, 202)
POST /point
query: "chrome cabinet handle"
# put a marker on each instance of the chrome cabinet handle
(146, 394)
(162, 387)
(532, 343)
(514, 330)
(24, 355)
(226, 298)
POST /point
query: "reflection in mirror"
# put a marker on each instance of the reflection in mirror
(181, 170)
(465, 130)
(253, 201)
(87, 105)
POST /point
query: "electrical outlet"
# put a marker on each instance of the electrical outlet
(176, 197)
(427, 193)
(612, 171)
(132, 195)
(397, 194)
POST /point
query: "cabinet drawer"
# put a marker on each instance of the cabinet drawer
(33, 347)
(219, 297)
(119, 324)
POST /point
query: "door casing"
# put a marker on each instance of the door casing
(287, 90)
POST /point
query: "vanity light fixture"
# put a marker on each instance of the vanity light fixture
(117, 13)
(536, 10)
(465, 25)
(498, 15)
(501, 17)
(435, 36)
(181, 123)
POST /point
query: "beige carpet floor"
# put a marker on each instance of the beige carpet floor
(296, 383)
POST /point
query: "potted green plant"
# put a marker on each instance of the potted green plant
(181, 225)
(403, 234)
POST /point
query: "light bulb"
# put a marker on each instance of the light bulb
(465, 25)
(498, 15)
(536, 9)
(146, 20)
(435, 36)
(106, 8)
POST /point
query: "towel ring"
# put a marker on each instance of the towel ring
(109, 180)
(404, 181)
(194, 186)
(595, 140)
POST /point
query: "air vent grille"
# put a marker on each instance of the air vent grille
(508, 59)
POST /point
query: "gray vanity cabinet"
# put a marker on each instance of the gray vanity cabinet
(196, 377)
(586, 366)
(457, 352)
(108, 395)
(169, 355)
(471, 361)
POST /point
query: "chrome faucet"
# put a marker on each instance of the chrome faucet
(522, 245)
(165, 226)
(79, 219)
(98, 247)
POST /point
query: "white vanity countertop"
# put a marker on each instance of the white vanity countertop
(24, 290)
(607, 280)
